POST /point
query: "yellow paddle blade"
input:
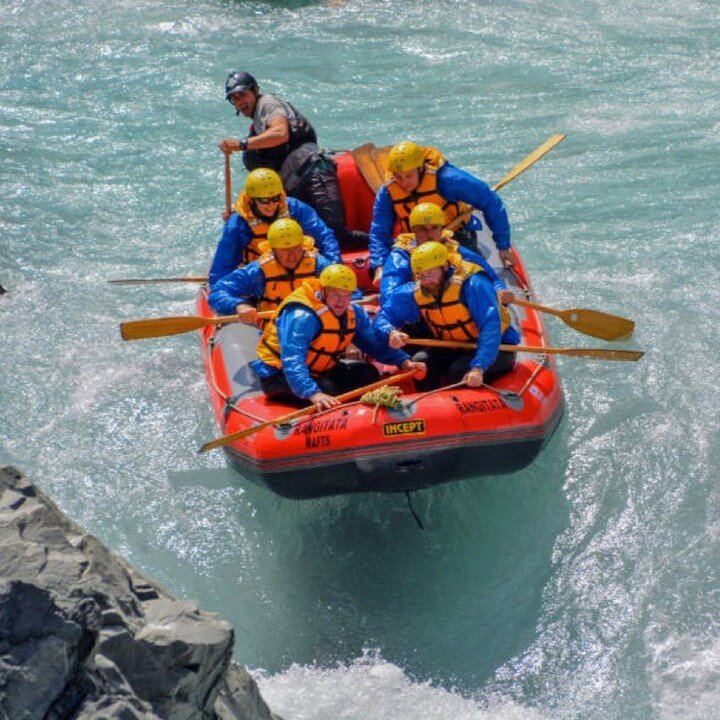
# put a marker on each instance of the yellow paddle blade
(162, 327)
(598, 324)
(521, 167)
(589, 322)
(380, 158)
(365, 162)
(531, 159)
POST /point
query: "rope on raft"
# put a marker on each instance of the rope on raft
(385, 396)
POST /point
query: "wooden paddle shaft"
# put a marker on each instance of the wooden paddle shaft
(147, 281)
(228, 186)
(535, 306)
(596, 353)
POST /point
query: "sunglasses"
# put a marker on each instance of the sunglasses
(268, 200)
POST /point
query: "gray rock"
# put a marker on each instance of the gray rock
(84, 635)
(239, 697)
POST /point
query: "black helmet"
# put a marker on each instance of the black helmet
(239, 82)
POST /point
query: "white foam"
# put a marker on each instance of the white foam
(372, 688)
(685, 678)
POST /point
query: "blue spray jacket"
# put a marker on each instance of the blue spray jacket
(397, 270)
(237, 234)
(477, 295)
(298, 326)
(454, 185)
(244, 284)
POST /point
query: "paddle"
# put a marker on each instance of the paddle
(162, 327)
(177, 325)
(309, 410)
(521, 167)
(228, 189)
(147, 281)
(589, 322)
(380, 158)
(592, 353)
(531, 159)
(365, 161)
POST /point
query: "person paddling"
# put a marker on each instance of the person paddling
(300, 353)
(457, 302)
(283, 139)
(263, 284)
(262, 201)
(422, 174)
(427, 223)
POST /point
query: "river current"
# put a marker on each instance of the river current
(585, 586)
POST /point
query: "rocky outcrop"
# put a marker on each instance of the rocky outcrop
(83, 635)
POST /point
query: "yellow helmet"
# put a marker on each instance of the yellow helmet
(428, 256)
(405, 156)
(263, 182)
(285, 233)
(426, 213)
(339, 277)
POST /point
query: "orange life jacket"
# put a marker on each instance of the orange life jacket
(325, 349)
(279, 281)
(258, 225)
(426, 191)
(446, 316)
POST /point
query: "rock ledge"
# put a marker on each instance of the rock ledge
(83, 635)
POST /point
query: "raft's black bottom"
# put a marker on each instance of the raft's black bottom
(397, 473)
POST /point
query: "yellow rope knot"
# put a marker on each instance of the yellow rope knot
(385, 396)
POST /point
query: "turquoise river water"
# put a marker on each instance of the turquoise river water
(586, 586)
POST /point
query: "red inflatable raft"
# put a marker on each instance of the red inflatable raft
(430, 439)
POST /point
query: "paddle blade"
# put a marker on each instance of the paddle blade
(520, 168)
(365, 162)
(590, 322)
(380, 157)
(531, 159)
(160, 327)
(599, 324)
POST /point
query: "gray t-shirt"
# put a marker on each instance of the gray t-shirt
(269, 106)
(294, 166)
